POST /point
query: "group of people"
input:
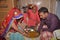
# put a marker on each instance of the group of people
(18, 22)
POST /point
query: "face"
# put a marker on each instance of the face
(34, 9)
(42, 15)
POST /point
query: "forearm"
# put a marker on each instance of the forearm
(16, 28)
(52, 28)
(22, 25)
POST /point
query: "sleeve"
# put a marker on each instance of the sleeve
(54, 24)
(41, 25)
(38, 19)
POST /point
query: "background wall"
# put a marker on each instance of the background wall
(5, 6)
(50, 4)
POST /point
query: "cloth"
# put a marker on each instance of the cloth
(2, 38)
(52, 21)
(16, 36)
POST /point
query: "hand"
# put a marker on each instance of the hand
(45, 26)
(26, 30)
(25, 34)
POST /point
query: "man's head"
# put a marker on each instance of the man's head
(43, 12)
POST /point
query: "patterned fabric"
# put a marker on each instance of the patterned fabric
(46, 35)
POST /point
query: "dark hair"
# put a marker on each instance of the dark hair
(20, 19)
(43, 9)
(17, 20)
(24, 7)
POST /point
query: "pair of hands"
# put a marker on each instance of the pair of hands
(26, 34)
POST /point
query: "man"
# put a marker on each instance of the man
(49, 21)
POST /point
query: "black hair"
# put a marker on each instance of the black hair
(24, 9)
(29, 8)
(43, 9)
(20, 19)
(17, 20)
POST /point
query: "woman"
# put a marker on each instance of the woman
(32, 20)
(12, 25)
(31, 16)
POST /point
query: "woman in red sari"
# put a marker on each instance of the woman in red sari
(31, 17)
(11, 25)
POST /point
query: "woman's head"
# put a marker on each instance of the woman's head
(25, 9)
(34, 8)
(30, 6)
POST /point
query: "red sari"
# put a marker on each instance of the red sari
(31, 19)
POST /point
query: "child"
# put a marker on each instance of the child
(45, 34)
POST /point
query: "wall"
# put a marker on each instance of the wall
(50, 4)
(53, 6)
(5, 6)
(43, 3)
